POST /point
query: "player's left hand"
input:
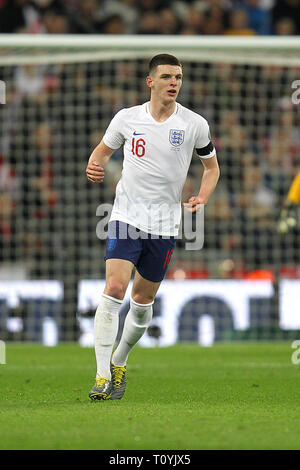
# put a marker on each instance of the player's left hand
(194, 204)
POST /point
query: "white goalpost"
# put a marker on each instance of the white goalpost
(272, 50)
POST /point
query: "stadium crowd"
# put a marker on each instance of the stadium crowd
(214, 17)
(51, 123)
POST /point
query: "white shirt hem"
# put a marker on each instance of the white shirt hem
(126, 220)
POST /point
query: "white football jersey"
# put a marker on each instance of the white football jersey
(157, 156)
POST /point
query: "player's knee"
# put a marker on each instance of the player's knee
(115, 288)
(142, 312)
(142, 298)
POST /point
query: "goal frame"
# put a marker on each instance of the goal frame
(264, 50)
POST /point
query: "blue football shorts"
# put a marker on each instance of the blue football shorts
(150, 254)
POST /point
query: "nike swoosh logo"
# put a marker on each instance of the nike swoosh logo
(136, 133)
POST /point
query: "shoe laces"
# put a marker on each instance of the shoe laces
(100, 381)
(119, 372)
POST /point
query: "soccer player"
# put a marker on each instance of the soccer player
(288, 214)
(158, 139)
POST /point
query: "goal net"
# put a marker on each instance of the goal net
(57, 95)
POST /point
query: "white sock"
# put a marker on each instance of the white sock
(136, 323)
(106, 325)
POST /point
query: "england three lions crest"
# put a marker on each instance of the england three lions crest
(176, 137)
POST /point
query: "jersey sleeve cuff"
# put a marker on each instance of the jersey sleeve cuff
(110, 143)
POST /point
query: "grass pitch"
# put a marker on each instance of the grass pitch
(230, 396)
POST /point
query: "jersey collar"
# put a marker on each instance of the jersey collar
(147, 111)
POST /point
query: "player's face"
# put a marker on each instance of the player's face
(165, 82)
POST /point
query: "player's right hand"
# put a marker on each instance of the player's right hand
(94, 172)
(194, 204)
(287, 219)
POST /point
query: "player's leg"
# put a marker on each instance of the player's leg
(118, 275)
(151, 269)
(135, 325)
(138, 317)
(122, 252)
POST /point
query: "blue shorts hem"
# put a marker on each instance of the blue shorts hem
(120, 257)
(145, 276)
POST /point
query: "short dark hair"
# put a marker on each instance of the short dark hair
(163, 59)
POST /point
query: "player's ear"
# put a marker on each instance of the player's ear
(149, 81)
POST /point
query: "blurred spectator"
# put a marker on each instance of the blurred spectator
(219, 222)
(192, 17)
(255, 198)
(56, 22)
(40, 195)
(216, 17)
(150, 5)
(232, 143)
(287, 9)
(193, 21)
(188, 269)
(126, 9)
(232, 269)
(267, 4)
(285, 27)
(29, 80)
(259, 18)
(35, 82)
(169, 22)
(28, 16)
(239, 24)
(113, 25)
(149, 23)
(283, 140)
(40, 200)
(9, 194)
(256, 204)
(289, 122)
(86, 20)
(20, 16)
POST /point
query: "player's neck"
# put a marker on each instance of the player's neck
(161, 112)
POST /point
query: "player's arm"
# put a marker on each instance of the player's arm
(288, 213)
(209, 181)
(97, 161)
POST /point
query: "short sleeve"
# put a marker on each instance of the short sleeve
(114, 136)
(204, 146)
